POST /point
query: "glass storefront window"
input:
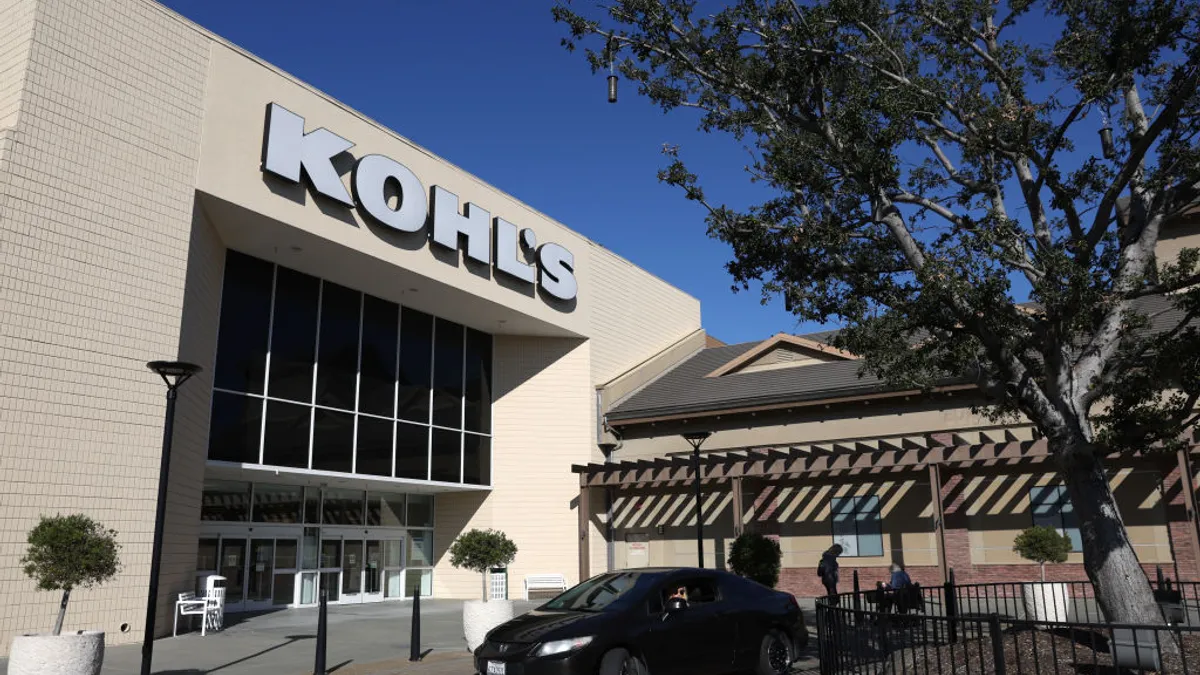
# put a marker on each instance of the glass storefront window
(293, 335)
(385, 509)
(374, 446)
(447, 374)
(312, 505)
(352, 383)
(285, 589)
(343, 507)
(276, 503)
(420, 511)
(225, 501)
(285, 554)
(477, 459)
(308, 548)
(420, 548)
(422, 579)
(337, 360)
(235, 428)
(206, 555)
(308, 588)
(245, 324)
(412, 451)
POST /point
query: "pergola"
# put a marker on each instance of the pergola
(933, 453)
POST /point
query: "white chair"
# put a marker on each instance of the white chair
(544, 582)
(188, 605)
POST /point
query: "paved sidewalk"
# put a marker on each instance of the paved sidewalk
(370, 639)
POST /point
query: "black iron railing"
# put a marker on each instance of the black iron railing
(1003, 628)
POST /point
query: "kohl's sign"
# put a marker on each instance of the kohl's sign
(289, 152)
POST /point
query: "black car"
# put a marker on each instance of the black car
(653, 621)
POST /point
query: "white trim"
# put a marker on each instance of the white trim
(362, 303)
(462, 409)
(316, 473)
(312, 398)
(342, 410)
(432, 358)
(396, 388)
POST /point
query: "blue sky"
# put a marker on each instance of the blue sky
(487, 86)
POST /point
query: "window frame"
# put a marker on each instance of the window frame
(1059, 516)
(854, 514)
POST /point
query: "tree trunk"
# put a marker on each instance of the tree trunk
(62, 611)
(486, 594)
(1122, 589)
(1043, 566)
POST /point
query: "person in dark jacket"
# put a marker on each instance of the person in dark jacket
(900, 579)
(827, 569)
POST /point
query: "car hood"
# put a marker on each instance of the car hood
(542, 626)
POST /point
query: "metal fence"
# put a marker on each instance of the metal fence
(1003, 628)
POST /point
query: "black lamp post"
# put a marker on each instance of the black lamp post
(174, 373)
(696, 439)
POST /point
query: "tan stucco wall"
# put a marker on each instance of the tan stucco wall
(94, 245)
(1176, 239)
(540, 421)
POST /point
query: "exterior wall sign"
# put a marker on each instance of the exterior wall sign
(288, 152)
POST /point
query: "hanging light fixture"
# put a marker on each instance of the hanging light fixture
(612, 77)
(1106, 138)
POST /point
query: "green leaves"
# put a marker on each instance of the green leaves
(481, 550)
(1042, 544)
(756, 557)
(68, 552)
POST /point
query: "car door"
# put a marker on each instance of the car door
(695, 641)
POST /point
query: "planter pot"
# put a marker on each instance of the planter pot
(79, 653)
(480, 617)
(1046, 601)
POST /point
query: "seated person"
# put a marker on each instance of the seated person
(900, 579)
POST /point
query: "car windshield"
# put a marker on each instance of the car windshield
(595, 594)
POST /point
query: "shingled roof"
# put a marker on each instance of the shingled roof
(689, 388)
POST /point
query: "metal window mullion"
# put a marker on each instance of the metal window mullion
(362, 305)
(429, 419)
(396, 390)
(262, 431)
(312, 401)
(462, 412)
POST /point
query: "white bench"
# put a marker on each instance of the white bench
(544, 582)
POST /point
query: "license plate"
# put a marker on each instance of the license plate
(495, 668)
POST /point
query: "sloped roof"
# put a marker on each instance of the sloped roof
(689, 388)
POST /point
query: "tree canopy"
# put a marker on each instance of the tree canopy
(970, 189)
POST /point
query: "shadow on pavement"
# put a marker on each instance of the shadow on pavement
(291, 639)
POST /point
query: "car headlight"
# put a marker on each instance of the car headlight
(562, 646)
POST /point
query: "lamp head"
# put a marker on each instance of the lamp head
(695, 438)
(179, 370)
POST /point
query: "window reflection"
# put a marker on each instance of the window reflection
(352, 382)
(227, 501)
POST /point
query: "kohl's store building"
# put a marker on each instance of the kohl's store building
(394, 351)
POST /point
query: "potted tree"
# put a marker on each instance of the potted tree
(756, 557)
(482, 551)
(65, 553)
(1042, 544)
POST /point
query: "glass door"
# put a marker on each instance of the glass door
(393, 568)
(331, 568)
(260, 573)
(284, 592)
(373, 571)
(352, 571)
(233, 568)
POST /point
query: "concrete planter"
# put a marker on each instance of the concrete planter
(480, 617)
(79, 653)
(1046, 601)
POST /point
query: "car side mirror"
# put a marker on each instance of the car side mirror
(674, 606)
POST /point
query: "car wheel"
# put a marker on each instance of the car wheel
(774, 656)
(620, 662)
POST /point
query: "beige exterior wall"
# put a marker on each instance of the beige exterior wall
(94, 245)
(130, 144)
(541, 425)
(1179, 237)
(635, 315)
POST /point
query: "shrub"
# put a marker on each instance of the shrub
(1042, 544)
(69, 552)
(756, 557)
(480, 551)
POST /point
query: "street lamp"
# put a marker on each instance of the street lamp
(696, 439)
(174, 373)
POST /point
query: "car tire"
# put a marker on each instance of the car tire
(774, 654)
(620, 662)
